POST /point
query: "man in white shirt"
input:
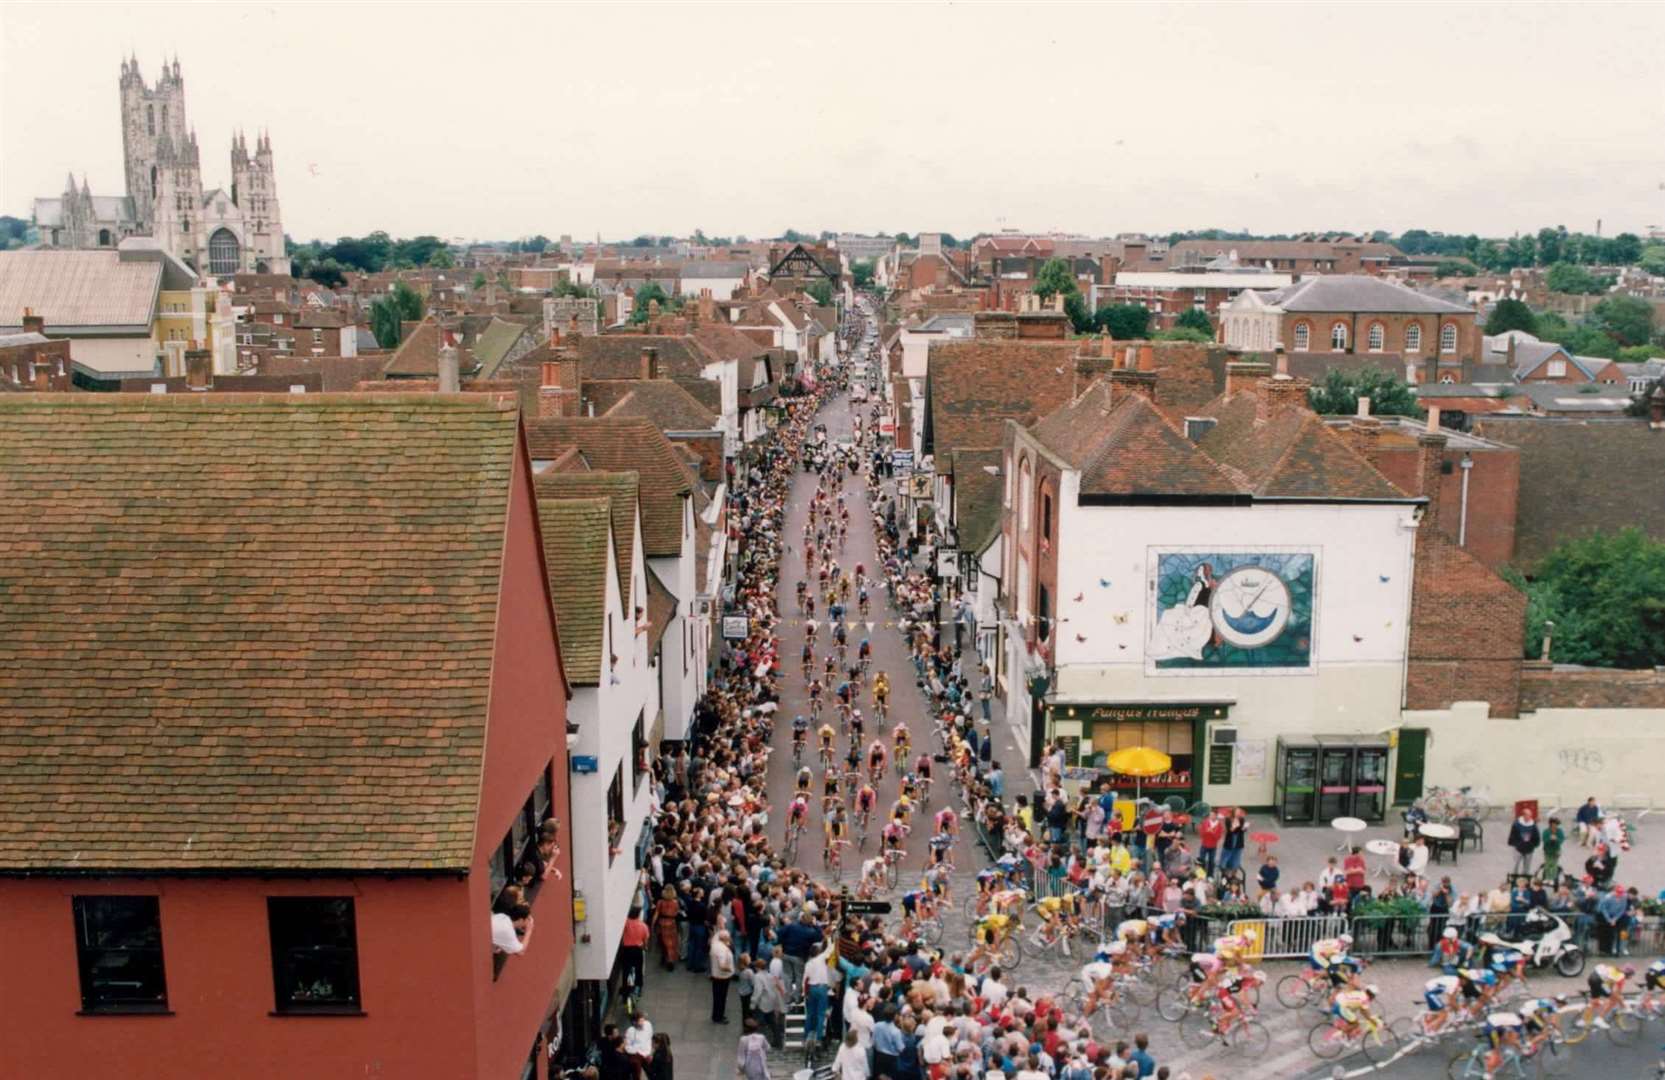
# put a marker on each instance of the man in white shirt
(935, 1048)
(511, 931)
(817, 988)
(638, 1042)
(994, 991)
(722, 973)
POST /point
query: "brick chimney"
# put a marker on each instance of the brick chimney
(450, 368)
(650, 362)
(1363, 431)
(199, 367)
(1430, 454)
(1656, 407)
(1242, 375)
(1281, 391)
(558, 388)
(707, 306)
(32, 323)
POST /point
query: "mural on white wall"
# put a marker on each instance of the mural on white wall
(1231, 610)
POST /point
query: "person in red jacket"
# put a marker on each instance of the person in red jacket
(1353, 867)
(1210, 831)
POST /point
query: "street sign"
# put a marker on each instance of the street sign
(901, 459)
(583, 763)
(735, 627)
(867, 907)
(920, 485)
(948, 563)
(887, 426)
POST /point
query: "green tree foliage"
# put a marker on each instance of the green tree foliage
(368, 253)
(442, 259)
(479, 279)
(821, 292)
(1080, 316)
(1568, 278)
(1653, 259)
(1339, 393)
(13, 230)
(861, 273)
(1606, 595)
(389, 313)
(645, 296)
(1454, 268)
(408, 301)
(575, 291)
(1636, 354)
(1184, 333)
(1511, 315)
(1195, 318)
(326, 272)
(1626, 319)
(1641, 403)
(1054, 277)
(1124, 322)
(535, 244)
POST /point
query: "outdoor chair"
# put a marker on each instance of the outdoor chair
(1174, 803)
(1469, 831)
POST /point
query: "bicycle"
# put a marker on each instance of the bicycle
(1470, 1064)
(1330, 1039)
(1623, 1024)
(1242, 1033)
(893, 866)
(862, 819)
(794, 834)
(1117, 1013)
(832, 858)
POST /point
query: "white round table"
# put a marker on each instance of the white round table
(1347, 826)
(1388, 851)
(1441, 835)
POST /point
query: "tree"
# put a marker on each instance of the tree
(1653, 259)
(408, 302)
(1195, 318)
(1641, 402)
(326, 272)
(1549, 245)
(645, 296)
(1054, 277)
(1626, 319)
(821, 292)
(1124, 322)
(1339, 393)
(1184, 333)
(1625, 249)
(1511, 315)
(861, 273)
(1081, 318)
(536, 244)
(1605, 592)
(479, 279)
(1566, 278)
(442, 259)
(384, 321)
(1454, 268)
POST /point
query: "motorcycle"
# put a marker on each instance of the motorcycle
(1547, 941)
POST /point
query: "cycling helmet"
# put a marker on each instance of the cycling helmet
(1117, 947)
(1561, 999)
(1373, 990)
(1450, 933)
(1629, 969)
(1345, 939)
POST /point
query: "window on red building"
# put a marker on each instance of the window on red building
(314, 953)
(118, 941)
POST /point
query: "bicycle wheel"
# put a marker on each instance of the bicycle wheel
(1143, 990)
(1466, 1064)
(1381, 1046)
(1554, 1059)
(892, 870)
(1011, 953)
(1580, 1028)
(1293, 991)
(1172, 1003)
(1249, 1037)
(1625, 1025)
(1196, 1029)
(931, 930)
(1325, 1041)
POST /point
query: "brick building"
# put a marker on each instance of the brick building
(1353, 314)
(277, 737)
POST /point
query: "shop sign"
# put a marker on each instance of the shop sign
(735, 627)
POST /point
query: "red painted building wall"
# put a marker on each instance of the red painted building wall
(431, 1005)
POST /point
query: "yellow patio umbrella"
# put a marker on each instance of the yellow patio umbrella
(1139, 762)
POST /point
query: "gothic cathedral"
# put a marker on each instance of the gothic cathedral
(214, 232)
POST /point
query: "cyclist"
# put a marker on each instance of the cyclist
(827, 736)
(864, 651)
(899, 735)
(829, 790)
(947, 822)
(894, 837)
(1353, 1013)
(876, 760)
(1439, 994)
(797, 813)
(901, 809)
(1653, 987)
(1318, 957)
(800, 730)
(991, 933)
(1133, 932)
(836, 826)
(922, 770)
(1058, 918)
(938, 881)
(1478, 987)
(988, 880)
(1098, 978)
(1343, 972)
(872, 875)
(881, 691)
(857, 724)
(916, 904)
(1538, 1018)
(1231, 999)
(1607, 987)
(1205, 969)
(866, 800)
(1500, 1031)
(1165, 930)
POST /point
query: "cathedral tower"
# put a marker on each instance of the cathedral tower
(149, 116)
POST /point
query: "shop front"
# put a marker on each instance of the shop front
(1089, 733)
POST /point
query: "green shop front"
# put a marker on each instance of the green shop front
(1090, 732)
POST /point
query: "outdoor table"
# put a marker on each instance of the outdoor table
(1262, 840)
(1442, 838)
(1347, 826)
(1388, 850)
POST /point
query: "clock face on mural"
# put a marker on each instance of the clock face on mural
(1249, 607)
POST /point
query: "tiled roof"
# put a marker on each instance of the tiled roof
(575, 554)
(78, 288)
(261, 634)
(669, 406)
(619, 356)
(622, 489)
(418, 352)
(973, 387)
(494, 343)
(1359, 292)
(1580, 476)
(977, 497)
(1124, 446)
(725, 342)
(341, 373)
(1292, 454)
(661, 609)
(621, 445)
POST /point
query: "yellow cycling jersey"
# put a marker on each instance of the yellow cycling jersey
(993, 922)
(1056, 905)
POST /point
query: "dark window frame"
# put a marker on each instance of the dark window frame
(283, 914)
(615, 813)
(90, 956)
(638, 752)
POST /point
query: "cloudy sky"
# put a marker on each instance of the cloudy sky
(495, 121)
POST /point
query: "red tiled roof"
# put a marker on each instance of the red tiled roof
(575, 547)
(260, 635)
(621, 445)
(1290, 454)
(974, 387)
(1123, 445)
(622, 489)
